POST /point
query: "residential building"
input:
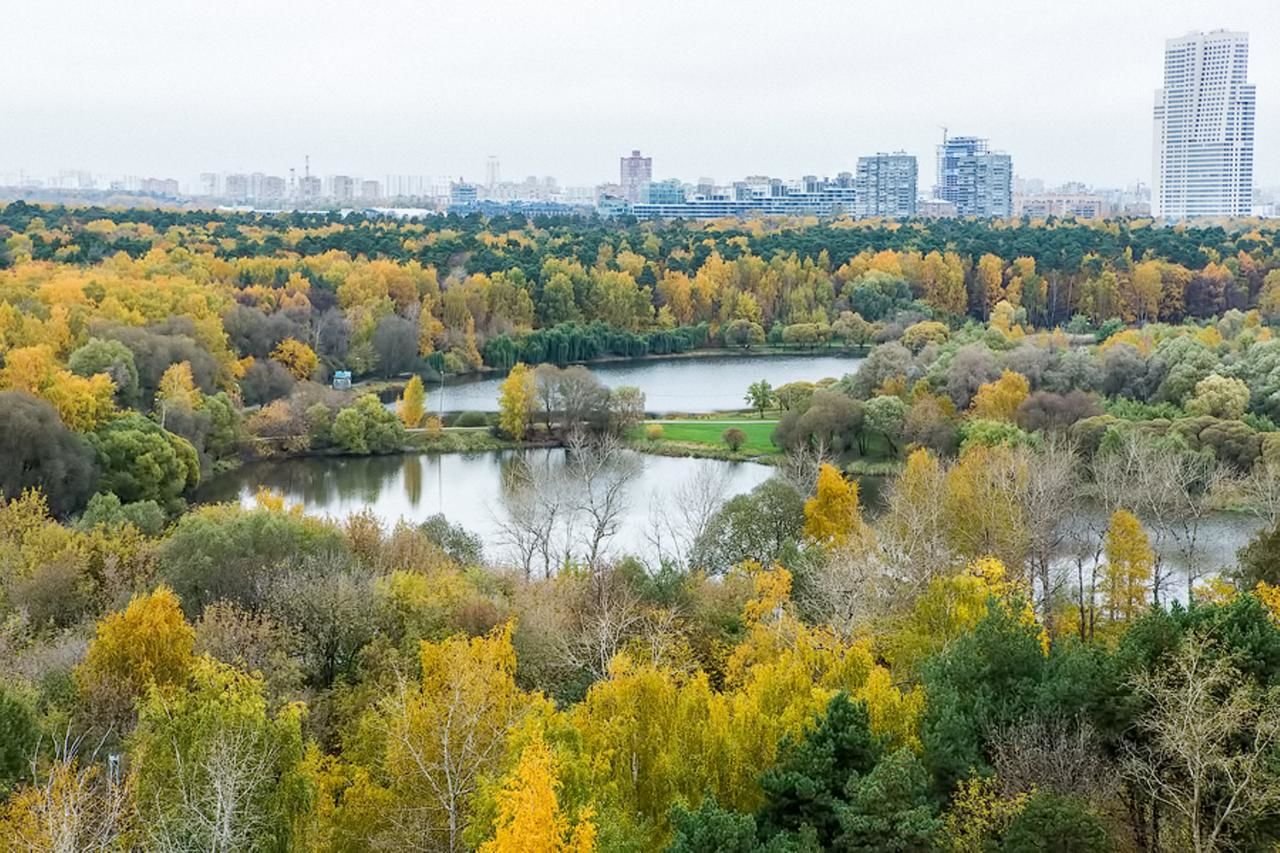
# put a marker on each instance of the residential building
(635, 173)
(310, 186)
(755, 196)
(159, 186)
(978, 181)
(1061, 203)
(274, 188)
(664, 192)
(237, 187)
(935, 208)
(1204, 116)
(492, 172)
(462, 194)
(209, 183)
(370, 190)
(344, 188)
(886, 185)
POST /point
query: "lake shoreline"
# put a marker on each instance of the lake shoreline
(379, 386)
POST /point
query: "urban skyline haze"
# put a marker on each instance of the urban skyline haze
(174, 87)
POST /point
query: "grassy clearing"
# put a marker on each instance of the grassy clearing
(709, 433)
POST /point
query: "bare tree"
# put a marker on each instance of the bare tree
(72, 806)
(913, 531)
(1086, 538)
(850, 587)
(1168, 488)
(800, 467)
(1258, 493)
(1064, 756)
(220, 795)
(536, 523)
(609, 614)
(1048, 496)
(547, 379)
(678, 519)
(601, 471)
(1210, 746)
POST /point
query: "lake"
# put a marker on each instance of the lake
(467, 488)
(702, 384)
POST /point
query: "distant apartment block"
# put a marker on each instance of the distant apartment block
(310, 186)
(237, 187)
(756, 196)
(664, 192)
(1079, 205)
(344, 188)
(978, 181)
(1204, 122)
(635, 173)
(886, 185)
(935, 208)
(274, 188)
(462, 194)
(370, 190)
(159, 186)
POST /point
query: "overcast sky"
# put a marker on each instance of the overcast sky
(721, 88)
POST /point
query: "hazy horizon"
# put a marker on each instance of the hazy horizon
(171, 88)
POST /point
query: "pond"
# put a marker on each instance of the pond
(468, 488)
(702, 384)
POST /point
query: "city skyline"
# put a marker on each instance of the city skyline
(1085, 116)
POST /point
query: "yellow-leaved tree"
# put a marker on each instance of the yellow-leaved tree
(951, 606)
(530, 819)
(412, 406)
(999, 400)
(445, 732)
(296, 357)
(833, 514)
(516, 397)
(1130, 565)
(649, 736)
(147, 644)
(177, 388)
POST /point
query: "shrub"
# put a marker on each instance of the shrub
(653, 432)
(734, 438)
(471, 419)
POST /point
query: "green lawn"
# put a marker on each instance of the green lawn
(709, 432)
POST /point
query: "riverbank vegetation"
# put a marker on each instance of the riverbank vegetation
(1025, 645)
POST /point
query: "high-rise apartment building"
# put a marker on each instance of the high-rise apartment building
(492, 172)
(237, 187)
(636, 173)
(886, 185)
(978, 181)
(344, 188)
(1203, 146)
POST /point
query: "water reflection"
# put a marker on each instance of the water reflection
(466, 488)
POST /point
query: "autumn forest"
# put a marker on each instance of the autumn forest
(974, 607)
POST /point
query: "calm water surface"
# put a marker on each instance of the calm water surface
(678, 385)
(468, 490)
(465, 488)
